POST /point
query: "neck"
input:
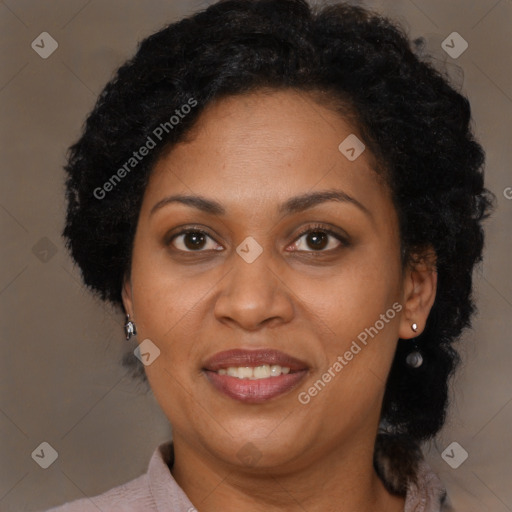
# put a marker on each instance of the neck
(339, 480)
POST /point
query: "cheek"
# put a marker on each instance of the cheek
(164, 304)
(357, 310)
(169, 305)
(161, 292)
(354, 294)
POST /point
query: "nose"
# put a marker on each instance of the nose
(254, 295)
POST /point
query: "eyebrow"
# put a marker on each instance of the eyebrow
(292, 205)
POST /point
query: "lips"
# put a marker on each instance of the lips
(248, 390)
(253, 358)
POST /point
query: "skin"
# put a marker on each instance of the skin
(252, 153)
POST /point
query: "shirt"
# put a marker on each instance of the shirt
(157, 491)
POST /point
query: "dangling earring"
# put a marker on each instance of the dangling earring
(129, 327)
(414, 359)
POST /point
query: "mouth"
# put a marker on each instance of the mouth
(254, 376)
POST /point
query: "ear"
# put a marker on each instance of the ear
(126, 295)
(419, 293)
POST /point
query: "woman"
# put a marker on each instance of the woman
(287, 206)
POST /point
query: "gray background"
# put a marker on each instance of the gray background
(61, 380)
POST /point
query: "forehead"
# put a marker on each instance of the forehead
(266, 147)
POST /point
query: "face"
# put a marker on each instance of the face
(280, 259)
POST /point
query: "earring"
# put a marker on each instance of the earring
(129, 327)
(414, 359)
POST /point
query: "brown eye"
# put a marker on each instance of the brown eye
(319, 240)
(193, 241)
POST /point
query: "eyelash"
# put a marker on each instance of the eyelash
(344, 242)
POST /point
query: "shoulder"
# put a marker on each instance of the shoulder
(134, 495)
(403, 470)
(153, 491)
(427, 493)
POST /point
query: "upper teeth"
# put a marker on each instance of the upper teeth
(258, 372)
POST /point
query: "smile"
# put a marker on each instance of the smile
(254, 376)
(258, 372)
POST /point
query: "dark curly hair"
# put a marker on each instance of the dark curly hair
(412, 120)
